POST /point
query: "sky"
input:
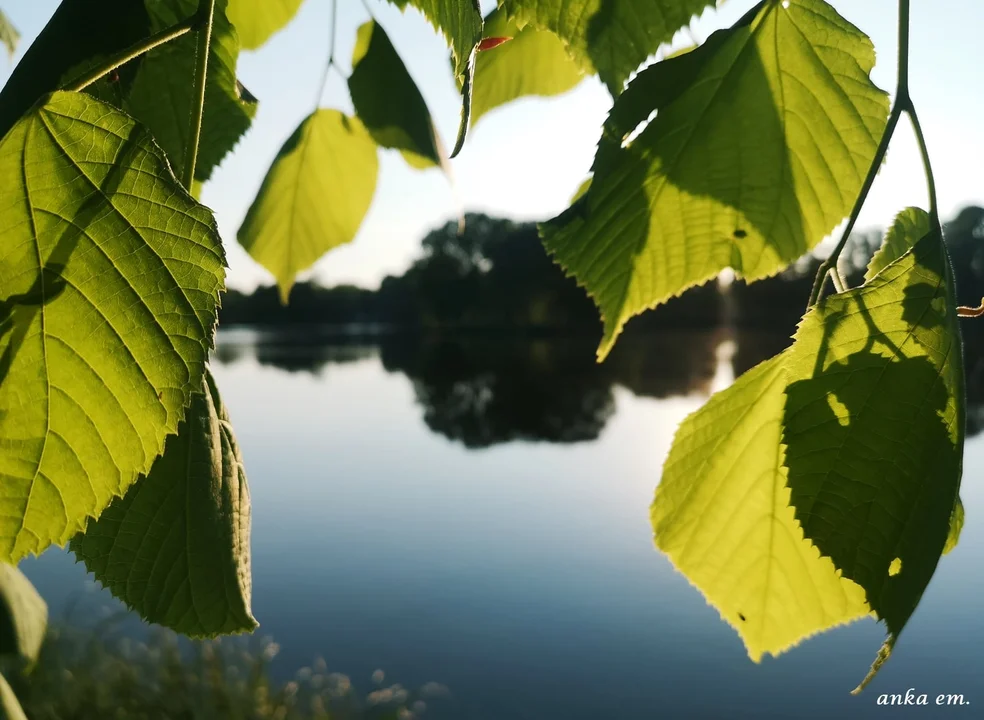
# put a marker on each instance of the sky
(525, 160)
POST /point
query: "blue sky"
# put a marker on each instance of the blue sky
(526, 160)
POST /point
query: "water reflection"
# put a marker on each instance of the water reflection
(486, 389)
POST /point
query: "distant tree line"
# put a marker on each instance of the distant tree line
(495, 275)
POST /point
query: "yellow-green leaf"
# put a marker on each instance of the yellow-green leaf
(722, 515)
(23, 615)
(610, 37)
(314, 196)
(759, 145)
(109, 281)
(388, 103)
(8, 34)
(8, 702)
(460, 21)
(909, 227)
(175, 548)
(257, 20)
(956, 527)
(534, 62)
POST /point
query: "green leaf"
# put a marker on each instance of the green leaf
(910, 226)
(314, 196)
(534, 62)
(162, 95)
(729, 172)
(61, 53)
(396, 117)
(956, 527)
(610, 37)
(8, 34)
(257, 20)
(824, 481)
(8, 702)
(874, 428)
(459, 20)
(175, 548)
(109, 281)
(722, 515)
(23, 615)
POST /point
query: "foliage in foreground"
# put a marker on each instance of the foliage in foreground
(741, 153)
(97, 673)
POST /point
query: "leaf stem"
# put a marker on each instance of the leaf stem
(934, 210)
(876, 163)
(206, 16)
(331, 54)
(903, 103)
(136, 50)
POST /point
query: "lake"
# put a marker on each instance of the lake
(476, 512)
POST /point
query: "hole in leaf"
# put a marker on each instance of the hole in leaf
(639, 129)
(840, 410)
(895, 568)
(740, 234)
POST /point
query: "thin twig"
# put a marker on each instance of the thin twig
(136, 50)
(206, 15)
(331, 55)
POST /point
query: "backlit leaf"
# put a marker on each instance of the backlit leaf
(909, 227)
(460, 21)
(387, 100)
(8, 702)
(956, 527)
(257, 20)
(162, 95)
(610, 37)
(722, 515)
(109, 281)
(175, 548)
(314, 196)
(824, 481)
(761, 140)
(23, 615)
(8, 34)
(874, 427)
(534, 62)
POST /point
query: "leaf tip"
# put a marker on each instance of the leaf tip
(884, 653)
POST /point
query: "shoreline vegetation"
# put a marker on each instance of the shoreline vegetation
(105, 671)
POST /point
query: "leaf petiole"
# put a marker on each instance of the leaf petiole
(205, 16)
(134, 51)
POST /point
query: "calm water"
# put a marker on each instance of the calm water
(477, 514)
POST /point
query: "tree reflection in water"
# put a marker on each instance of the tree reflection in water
(483, 389)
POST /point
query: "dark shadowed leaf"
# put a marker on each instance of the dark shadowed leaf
(874, 428)
(387, 100)
(175, 548)
(163, 90)
(109, 281)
